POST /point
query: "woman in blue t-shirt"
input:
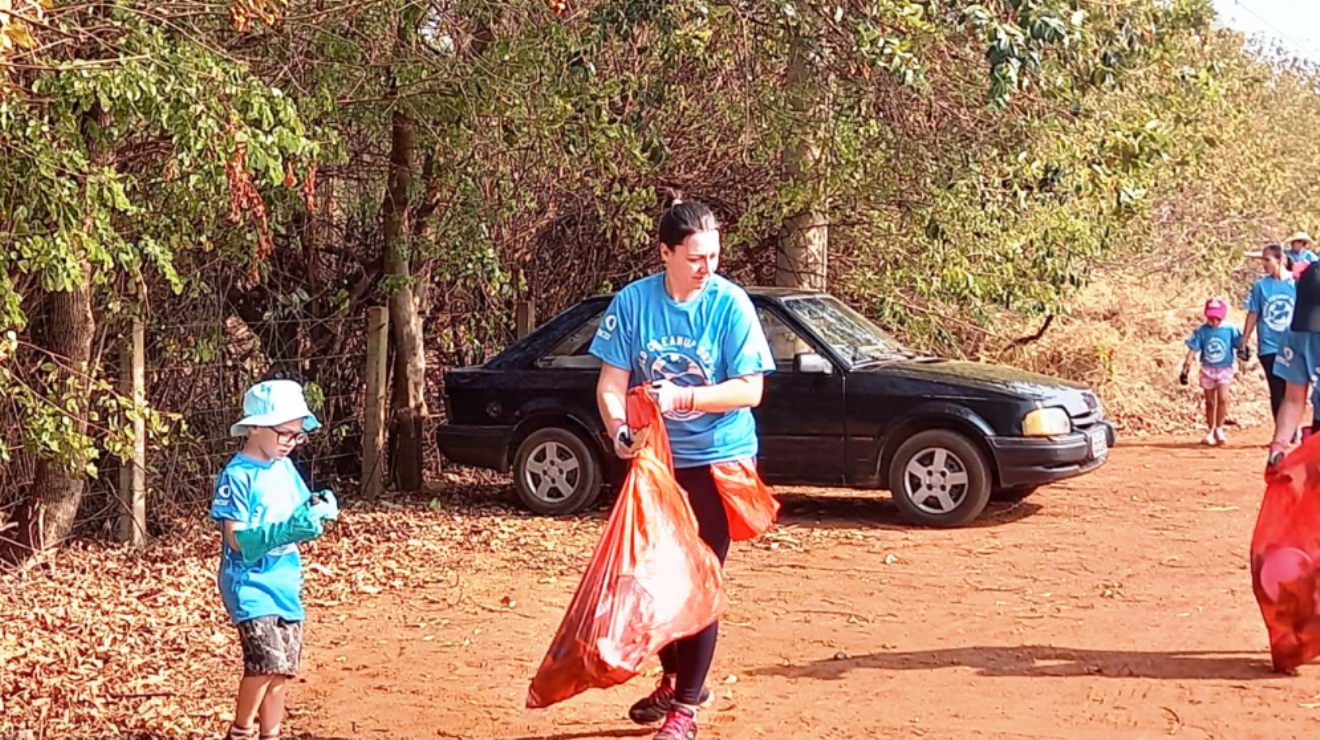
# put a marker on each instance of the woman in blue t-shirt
(1269, 313)
(694, 338)
(1216, 342)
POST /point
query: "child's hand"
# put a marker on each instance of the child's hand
(1244, 353)
(324, 506)
(1183, 377)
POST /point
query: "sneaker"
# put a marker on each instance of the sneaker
(1221, 436)
(1210, 439)
(680, 724)
(655, 707)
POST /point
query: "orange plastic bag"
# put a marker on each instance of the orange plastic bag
(650, 581)
(750, 506)
(1285, 558)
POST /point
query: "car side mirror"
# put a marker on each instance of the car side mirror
(810, 363)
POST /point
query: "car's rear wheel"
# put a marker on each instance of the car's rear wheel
(555, 472)
(939, 479)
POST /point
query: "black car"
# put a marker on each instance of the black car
(847, 406)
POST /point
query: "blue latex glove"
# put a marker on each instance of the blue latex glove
(324, 505)
(255, 544)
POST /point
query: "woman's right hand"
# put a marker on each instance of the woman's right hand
(628, 441)
(624, 444)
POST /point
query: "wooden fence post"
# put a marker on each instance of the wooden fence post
(133, 469)
(373, 426)
(524, 318)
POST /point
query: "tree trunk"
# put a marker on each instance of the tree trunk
(47, 515)
(409, 407)
(804, 239)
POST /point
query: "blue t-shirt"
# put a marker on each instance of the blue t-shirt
(256, 494)
(1299, 357)
(1306, 256)
(704, 341)
(1216, 344)
(1272, 300)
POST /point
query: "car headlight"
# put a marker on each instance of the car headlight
(1048, 422)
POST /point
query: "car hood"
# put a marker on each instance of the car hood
(982, 379)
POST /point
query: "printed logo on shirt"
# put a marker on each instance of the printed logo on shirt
(223, 494)
(1278, 312)
(1216, 350)
(605, 331)
(680, 361)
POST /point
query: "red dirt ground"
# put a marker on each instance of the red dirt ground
(1117, 606)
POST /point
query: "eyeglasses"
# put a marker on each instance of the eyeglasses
(289, 438)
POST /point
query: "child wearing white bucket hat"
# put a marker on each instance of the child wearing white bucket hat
(264, 509)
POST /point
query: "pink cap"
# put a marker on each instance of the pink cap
(1216, 309)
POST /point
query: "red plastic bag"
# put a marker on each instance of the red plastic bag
(750, 506)
(1285, 558)
(651, 580)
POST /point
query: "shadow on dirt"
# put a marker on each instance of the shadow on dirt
(1190, 444)
(804, 507)
(877, 510)
(585, 734)
(1041, 661)
(580, 735)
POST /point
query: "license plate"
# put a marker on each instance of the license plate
(1099, 443)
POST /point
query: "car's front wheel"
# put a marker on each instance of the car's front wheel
(939, 478)
(555, 472)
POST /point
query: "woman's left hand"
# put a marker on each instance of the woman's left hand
(670, 397)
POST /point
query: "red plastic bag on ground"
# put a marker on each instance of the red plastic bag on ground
(1285, 558)
(650, 581)
(750, 506)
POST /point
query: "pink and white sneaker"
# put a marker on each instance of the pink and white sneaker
(680, 724)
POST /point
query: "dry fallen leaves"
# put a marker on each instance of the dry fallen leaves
(104, 642)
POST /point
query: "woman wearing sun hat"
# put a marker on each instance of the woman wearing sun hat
(1300, 252)
(264, 509)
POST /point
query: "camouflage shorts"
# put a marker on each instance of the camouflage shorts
(272, 646)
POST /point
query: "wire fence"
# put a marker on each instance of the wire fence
(198, 362)
(199, 373)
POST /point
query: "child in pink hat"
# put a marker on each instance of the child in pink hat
(1216, 343)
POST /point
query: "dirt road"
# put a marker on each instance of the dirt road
(1118, 606)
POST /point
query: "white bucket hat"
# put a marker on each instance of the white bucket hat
(1301, 236)
(272, 403)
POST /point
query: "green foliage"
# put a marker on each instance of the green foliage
(972, 158)
(121, 153)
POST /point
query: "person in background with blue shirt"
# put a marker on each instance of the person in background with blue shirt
(1216, 342)
(264, 509)
(1269, 313)
(695, 340)
(1300, 253)
(1298, 362)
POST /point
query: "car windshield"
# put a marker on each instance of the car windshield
(853, 336)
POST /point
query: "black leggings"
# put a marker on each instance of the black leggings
(690, 657)
(1277, 385)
